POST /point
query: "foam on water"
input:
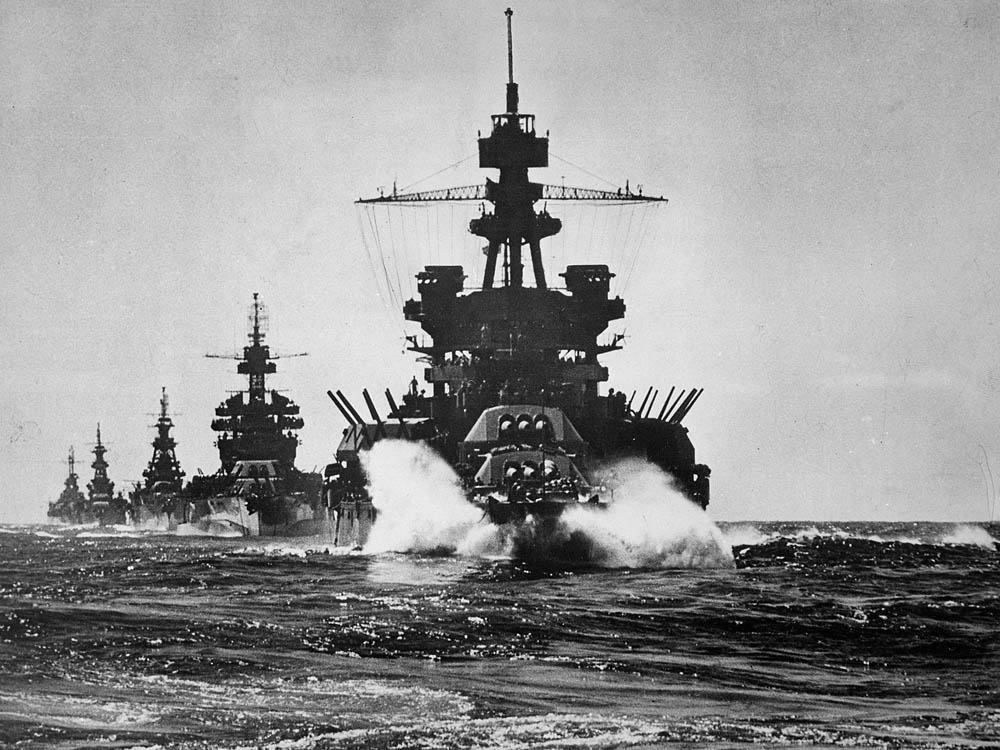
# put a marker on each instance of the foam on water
(421, 505)
(970, 534)
(590, 730)
(115, 530)
(295, 548)
(157, 524)
(649, 523)
(214, 530)
(746, 535)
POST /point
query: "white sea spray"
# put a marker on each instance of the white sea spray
(970, 534)
(422, 508)
(419, 499)
(649, 523)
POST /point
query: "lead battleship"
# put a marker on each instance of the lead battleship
(514, 370)
(257, 490)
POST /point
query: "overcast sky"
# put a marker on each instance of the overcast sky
(826, 268)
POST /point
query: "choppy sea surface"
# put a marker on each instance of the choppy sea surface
(787, 635)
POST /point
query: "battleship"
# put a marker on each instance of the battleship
(514, 371)
(107, 508)
(257, 490)
(158, 502)
(100, 505)
(71, 506)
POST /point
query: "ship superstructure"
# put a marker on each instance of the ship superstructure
(514, 368)
(158, 501)
(71, 506)
(108, 508)
(164, 472)
(257, 424)
(257, 489)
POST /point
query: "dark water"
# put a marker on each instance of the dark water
(856, 635)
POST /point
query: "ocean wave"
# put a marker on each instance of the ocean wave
(288, 548)
(971, 535)
(594, 730)
(740, 535)
(214, 530)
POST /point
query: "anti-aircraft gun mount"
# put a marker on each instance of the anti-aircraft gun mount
(515, 404)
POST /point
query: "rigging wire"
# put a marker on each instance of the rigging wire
(458, 163)
(623, 247)
(583, 240)
(416, 238)
(628, 231)
(427, 238)
(642, 238)
(371, 261)
(392, 246)
(379, 246)
(577, 166)
(405, 245)
(591, 214)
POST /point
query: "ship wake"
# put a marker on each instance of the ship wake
(648, 524)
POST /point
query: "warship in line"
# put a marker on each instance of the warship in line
(159, 502)
(257, 489)
(71, 506)
(515, 404)
(100, 505)
(108, 508)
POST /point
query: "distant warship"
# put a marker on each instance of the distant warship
(71, 507)
(108, 509)
(158, 502)
(257, 489)
(100, 505)
(515, 406)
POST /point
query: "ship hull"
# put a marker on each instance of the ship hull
(91, 517)
(221, 516)
(289, 516)
(149, 519)
(74, 519)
